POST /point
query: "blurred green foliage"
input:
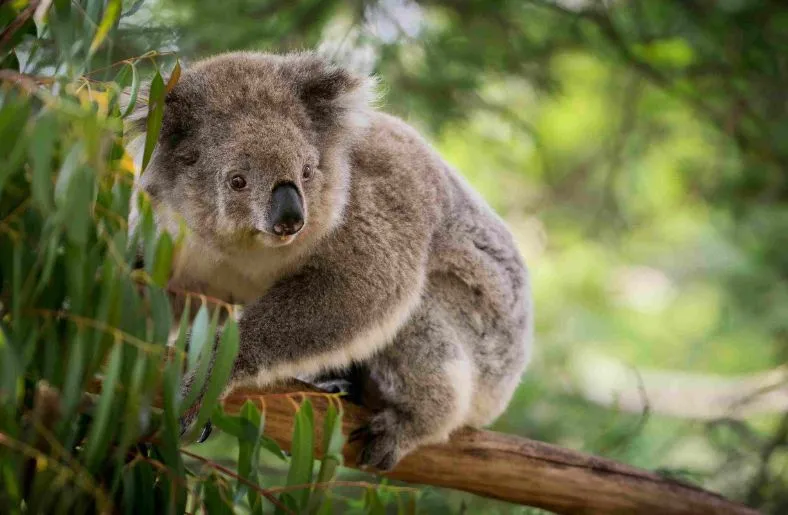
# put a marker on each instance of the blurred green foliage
(638, 150)
(89, 397)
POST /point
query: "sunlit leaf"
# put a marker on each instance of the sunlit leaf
(174, 77)
(111, 15)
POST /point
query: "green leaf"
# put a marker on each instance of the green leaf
(123, 76)
(111, 15)
(72, 389)
(135, 89)
(249, 453)
(406, 504)
(13, 116)
(9, 369)
(372, 502)
(668, 53)
(217, 497)
(333, 441)
(42, 149)
(302, 456)
(199, 337)
(155, 115)
(133, 413)
(234, 425)
(101, 431)
(221, 370)
(10, 62)
(73, 194)
(325, 508)
(271, 446)
(172, 383)
(163, 260)
(51, 252)
(160, 314)
(202, 361)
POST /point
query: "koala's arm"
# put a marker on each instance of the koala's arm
(340, 307)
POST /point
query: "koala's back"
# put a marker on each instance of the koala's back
(475, 275)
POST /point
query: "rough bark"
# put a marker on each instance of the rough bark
(504, 467)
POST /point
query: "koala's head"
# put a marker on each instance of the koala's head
(253, 148)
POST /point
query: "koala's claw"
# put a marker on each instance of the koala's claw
(382, 448)
(206, 432)
(380, 453)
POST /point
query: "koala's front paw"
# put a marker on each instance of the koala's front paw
(334, 385)
(384, 442)
(188, 419)
(187, 422)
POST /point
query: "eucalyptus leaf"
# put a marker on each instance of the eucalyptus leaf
(42, 150)
(302, 457)
(155, 116)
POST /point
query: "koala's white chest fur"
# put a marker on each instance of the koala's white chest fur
(236, 278)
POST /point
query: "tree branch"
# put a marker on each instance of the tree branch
(502, 466)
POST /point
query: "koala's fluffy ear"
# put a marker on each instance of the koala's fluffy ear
(335, 98)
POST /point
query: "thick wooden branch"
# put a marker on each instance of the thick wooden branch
(504, 467)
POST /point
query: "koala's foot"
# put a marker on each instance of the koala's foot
(385, 440)
(425, 382)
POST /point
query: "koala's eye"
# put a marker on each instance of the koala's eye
(307, 172)
(237, 182)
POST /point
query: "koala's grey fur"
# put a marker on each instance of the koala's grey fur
(400, 265)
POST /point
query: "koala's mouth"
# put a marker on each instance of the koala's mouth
(273, 240)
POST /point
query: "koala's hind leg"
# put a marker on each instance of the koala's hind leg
(425, 383)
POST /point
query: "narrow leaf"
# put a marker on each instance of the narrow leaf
(302, 459)
(135, 89)
(220, 373)
(101, 431)
(175, 77)
(155, 115)
(42, 149)
(111, 15)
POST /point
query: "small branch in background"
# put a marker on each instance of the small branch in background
(607, 382)
(19, 21)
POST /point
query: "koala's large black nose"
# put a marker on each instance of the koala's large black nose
(286, 215)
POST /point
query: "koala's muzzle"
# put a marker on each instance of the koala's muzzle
(286, 212)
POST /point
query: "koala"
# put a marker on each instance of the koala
(349, 242)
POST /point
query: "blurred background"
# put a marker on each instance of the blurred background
(638, 150)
